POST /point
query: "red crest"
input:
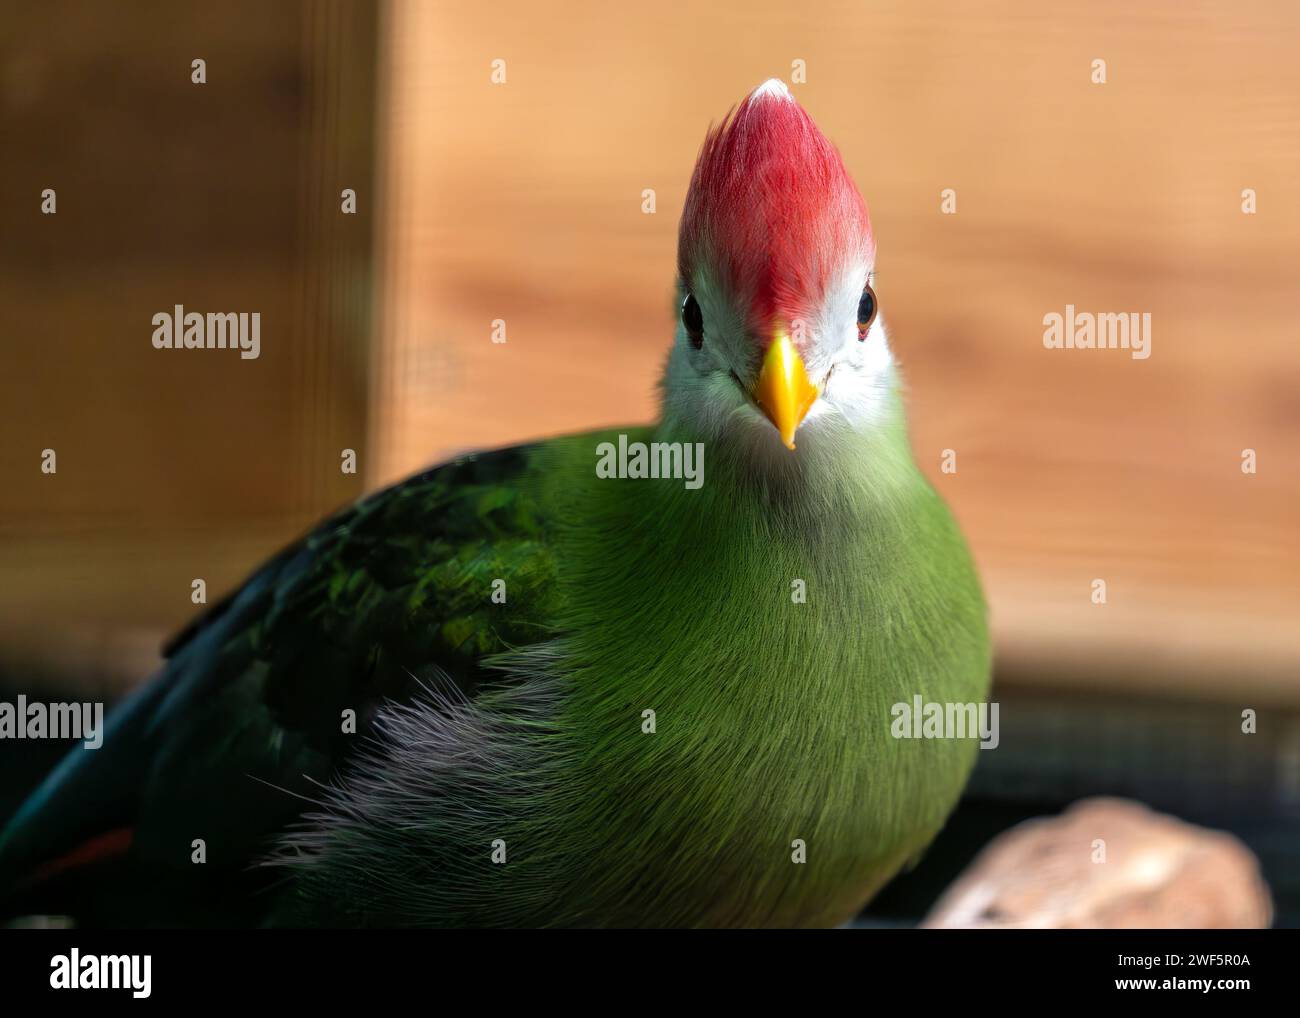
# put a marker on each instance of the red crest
(772, 214)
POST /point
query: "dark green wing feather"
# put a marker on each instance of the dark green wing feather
(247, 713)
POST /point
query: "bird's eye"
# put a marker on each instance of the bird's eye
(693, 320)
(866, 312)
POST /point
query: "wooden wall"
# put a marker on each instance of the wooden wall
(222, 196)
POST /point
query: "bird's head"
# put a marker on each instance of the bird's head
(779, 334)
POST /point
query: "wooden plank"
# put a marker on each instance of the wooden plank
(222, 196)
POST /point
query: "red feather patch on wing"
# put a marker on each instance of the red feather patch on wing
(104, 846)
(771, 211)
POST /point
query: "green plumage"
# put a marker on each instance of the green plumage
(771, 717)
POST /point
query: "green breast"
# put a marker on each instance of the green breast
(770, 632)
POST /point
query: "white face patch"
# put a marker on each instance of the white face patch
(853, 375)
(709, 388)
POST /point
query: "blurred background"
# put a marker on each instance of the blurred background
(522, 200)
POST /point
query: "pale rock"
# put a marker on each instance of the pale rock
(1158, 873)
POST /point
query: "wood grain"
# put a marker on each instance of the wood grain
(223, 196)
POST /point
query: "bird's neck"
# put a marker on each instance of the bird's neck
(759, 608)
(837, 478)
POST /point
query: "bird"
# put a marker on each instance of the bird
(519, 690)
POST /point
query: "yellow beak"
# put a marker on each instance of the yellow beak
(783, 389)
